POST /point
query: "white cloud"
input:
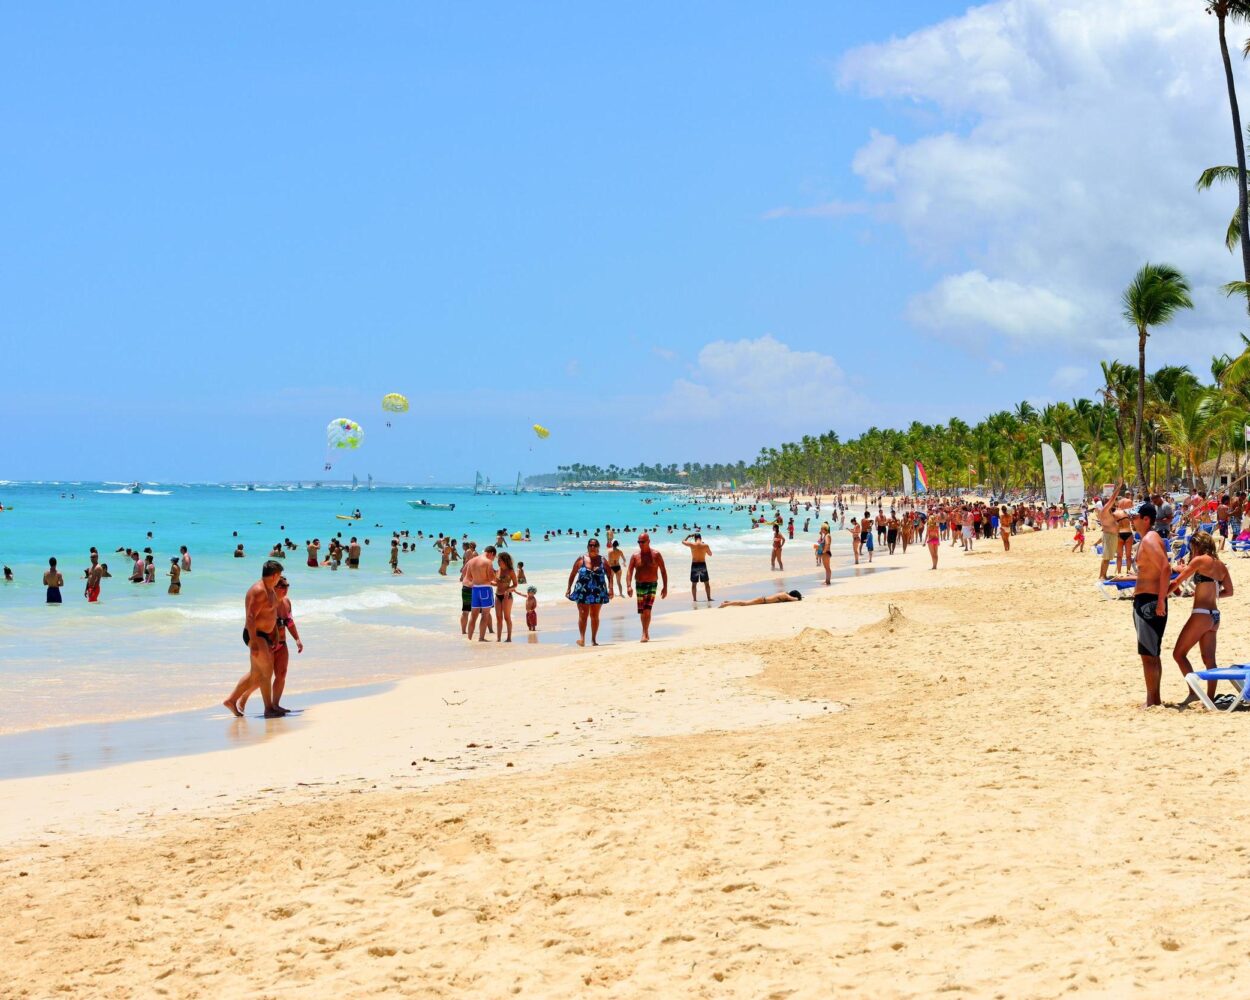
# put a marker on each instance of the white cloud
(964, 304)
(1069, 377)
(762, 381)
(828, 210)
(1057, 147)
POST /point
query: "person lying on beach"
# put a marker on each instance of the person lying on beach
(782, 598)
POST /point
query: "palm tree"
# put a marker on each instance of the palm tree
(1236, 10)
(1152, 298)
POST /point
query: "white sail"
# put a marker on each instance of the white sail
(355, 482)
(906, 480)
(1053, 475)
(1073, 479)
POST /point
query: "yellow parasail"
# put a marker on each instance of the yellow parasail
(393, 402)
(542, 431)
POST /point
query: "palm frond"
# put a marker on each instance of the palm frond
(1211, 175)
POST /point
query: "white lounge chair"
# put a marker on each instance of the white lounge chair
(1238, 677)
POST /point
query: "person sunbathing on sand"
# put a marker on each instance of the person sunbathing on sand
(783, 598)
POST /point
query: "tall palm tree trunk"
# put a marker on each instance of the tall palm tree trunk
(1243, 211)
(1141, 406)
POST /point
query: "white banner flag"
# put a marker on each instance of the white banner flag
(1073, 478)
(1054, 475)
(906, 480)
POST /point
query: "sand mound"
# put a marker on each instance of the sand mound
(894, 621)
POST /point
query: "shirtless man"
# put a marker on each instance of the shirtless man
(314, 553)
(94, 574)
(645, 566)
(778, 542)
(261, 622)
(186, 559)
(1150, 599)
(480, 577)
(353, 554)
(699, 554)
(1110, 537)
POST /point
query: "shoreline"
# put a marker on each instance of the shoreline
(449, 653)
(291, 756)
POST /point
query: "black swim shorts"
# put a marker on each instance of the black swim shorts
(698, 572)
(466, 599)
(1148, 625)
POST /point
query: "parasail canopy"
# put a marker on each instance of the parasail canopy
(394, 402)
(542, 431)
(343, 433)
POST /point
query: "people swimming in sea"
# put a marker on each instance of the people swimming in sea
(54, 581)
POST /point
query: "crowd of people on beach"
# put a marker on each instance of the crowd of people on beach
(1165, 549)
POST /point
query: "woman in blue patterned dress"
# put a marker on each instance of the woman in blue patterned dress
(588, 586)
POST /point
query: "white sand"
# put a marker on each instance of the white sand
(990, 816)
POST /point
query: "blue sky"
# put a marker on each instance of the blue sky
(681, 233)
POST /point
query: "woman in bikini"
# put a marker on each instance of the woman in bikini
(933, 538)
(505, 590)
(615, 558)
(824, 551)
(1211, 580)
(588, 586)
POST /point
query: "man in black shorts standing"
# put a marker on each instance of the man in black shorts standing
(1150, 600)
(699, 554)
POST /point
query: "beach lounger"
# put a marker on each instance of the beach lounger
(1238, 677)
(1116, 590)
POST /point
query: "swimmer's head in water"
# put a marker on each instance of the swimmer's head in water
(796, 595)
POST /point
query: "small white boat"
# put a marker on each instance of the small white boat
(135, 488)
(426, 505)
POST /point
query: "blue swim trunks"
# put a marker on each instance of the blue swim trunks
(483, 598)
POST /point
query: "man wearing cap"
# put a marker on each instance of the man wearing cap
(645, 566)
(1150, 599)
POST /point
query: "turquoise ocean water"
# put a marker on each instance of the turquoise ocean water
(141, 651)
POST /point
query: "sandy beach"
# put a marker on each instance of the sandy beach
(913, 783)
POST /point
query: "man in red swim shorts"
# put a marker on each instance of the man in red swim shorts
(646, 566)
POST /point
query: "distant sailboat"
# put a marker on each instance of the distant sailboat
(518, 485)
(355, 483)
(371, 481)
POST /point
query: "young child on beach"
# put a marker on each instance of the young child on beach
(395, 570)
(531, 609)
(1078, 540)
(520, 573)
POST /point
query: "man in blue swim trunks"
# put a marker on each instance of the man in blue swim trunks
(480, 577)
